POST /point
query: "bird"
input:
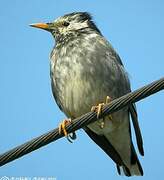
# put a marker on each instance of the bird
(86, 72)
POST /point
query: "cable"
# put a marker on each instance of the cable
(82, 121)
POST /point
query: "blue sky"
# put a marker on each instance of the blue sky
(27, 109)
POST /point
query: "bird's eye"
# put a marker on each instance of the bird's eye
(65, 23)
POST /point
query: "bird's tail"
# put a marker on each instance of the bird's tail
(134, 168)
(119, 147)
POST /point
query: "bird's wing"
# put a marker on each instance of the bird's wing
(53, 81)
(133, 112)
(54, 92)
(135, 159)
(132, 108)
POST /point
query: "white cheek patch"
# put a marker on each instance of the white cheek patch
(76, 26)
(73, 26)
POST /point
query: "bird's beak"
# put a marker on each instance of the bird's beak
(44, 26)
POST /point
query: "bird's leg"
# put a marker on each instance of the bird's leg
(98, 109)
(62, 126)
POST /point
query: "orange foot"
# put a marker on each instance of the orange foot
(98, 109)
(62, 126)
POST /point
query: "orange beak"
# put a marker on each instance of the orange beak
(41, 26)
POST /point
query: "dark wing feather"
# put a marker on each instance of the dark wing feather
(133, 152)
(133, 113)
(134, 158)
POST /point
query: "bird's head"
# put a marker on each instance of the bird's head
(68, 24)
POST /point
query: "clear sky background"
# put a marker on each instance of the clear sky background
(27, 108)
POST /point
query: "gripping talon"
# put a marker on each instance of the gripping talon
(98, 108)
(62, 128)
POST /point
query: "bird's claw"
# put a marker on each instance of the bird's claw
(99, 108)
(62, 126)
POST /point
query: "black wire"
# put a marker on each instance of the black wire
(82, 121)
